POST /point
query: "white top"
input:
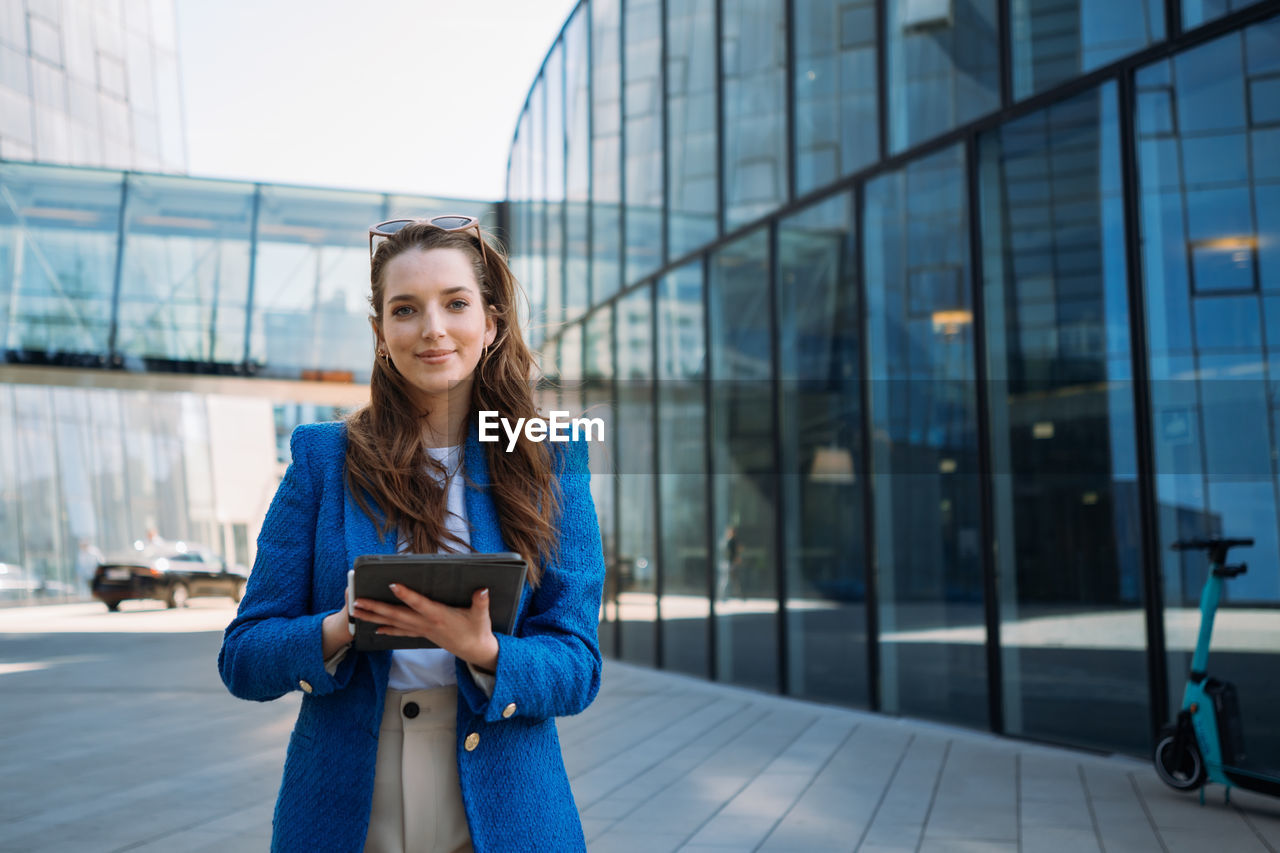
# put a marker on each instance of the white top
(418, 669)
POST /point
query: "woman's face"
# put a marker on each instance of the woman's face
(435, 324)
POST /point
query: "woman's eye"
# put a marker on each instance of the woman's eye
(459, 304)
(402, 311)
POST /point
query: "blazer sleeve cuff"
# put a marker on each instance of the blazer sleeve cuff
(314, 674)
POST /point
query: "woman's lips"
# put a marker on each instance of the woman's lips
(435, 356)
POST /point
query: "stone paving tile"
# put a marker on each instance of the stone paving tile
(968, 845)
(1200, 839)
(1055, 839)
(618, 842)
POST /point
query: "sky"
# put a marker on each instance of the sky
(406, 96)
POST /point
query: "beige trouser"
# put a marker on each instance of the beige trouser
(417, 804)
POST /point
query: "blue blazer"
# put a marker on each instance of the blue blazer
(514, 785)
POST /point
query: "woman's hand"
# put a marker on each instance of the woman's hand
(334, 633)
(466, 632)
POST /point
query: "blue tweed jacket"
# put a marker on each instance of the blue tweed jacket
(514, 785)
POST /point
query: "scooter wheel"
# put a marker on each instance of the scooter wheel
(1185, 775)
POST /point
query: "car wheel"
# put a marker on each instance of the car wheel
(178, 595)
(238, 593)
(113, 606)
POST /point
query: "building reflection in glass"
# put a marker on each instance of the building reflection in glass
(1064, 464)
(924, 441)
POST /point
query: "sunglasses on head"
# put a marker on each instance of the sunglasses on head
(447, 222)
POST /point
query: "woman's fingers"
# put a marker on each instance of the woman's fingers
(460, 630)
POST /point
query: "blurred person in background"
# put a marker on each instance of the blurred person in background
(88, 558)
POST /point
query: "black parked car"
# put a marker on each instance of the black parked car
(172, 573)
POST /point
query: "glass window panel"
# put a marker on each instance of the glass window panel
(686, 558)
(642, 60)
(1262, 47)
(744, 482)
(599, 401)
(1197, 12)
(1266, 197)
(837, 120)
(944, 70)
(173, 145)
(753, 62)
(140, 67)
(49, 86)
(13, 24)
(1054, 41)
(577, 166)
(1063, 434)
(923, 420)
(637, 544)
(554, 210)
(1209, 90)
(57, 259)
(693, 179)
(606, 149)
(13, 70)
(520, 246)
(185, 276)
(539, 256)
(1212, 366)
(822, 478)
(11, 503)
(15, 120)
(111, 76)
(35, 450)
(311, 282)
(1264, 100)
(79, 56)
(46, 41)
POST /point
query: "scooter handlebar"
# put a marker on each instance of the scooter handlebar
(1207, 544)
(1231, 571)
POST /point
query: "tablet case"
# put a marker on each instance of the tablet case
(447, 578)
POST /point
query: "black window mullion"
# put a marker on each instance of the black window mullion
(789, 96)
(779, 511)
(1172, 18)
(1157, 664)
(708, 439)
(114, 358)
(991, 602)
(1004, 37)
(253, 274)
(882, 73)
(868, 511)
(654, 456)
(664, 113)
(719, 66)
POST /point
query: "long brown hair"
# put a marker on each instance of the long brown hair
(387, 463)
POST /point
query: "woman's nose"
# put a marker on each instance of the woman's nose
(433, 323)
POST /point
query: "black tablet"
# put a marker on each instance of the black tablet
(447, 578)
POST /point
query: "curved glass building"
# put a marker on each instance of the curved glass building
(923, 328)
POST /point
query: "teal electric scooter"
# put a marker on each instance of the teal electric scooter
(1206, 741)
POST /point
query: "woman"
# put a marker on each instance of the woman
(452, 748)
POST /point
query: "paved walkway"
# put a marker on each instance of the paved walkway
(118, 736)
(661, 762)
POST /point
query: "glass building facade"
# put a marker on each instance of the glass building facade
(177, 274)
(923, 329)
(91, 84)
(160, 337)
